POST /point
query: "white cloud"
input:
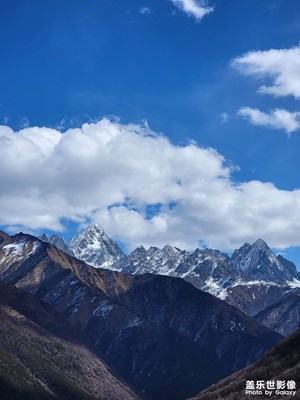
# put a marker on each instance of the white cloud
(112, 173)
(195, 8)
(145, 10)
(276, 119)
(224, 117)
(279, 67)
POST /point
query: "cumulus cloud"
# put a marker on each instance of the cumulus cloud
(276, 119)
(194, 8)
(280, 67)
(279, 70)
(142, 188)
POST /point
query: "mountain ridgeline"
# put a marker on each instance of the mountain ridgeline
(253, 279)
(160, 334)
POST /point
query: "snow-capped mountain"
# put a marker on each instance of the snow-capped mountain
(248, 263)
(154, 260)
(207, 269)
(257, 261)
(252, 279)
(159, 333)
(94, 247)
(213, 271)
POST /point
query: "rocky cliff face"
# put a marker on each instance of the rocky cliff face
(160, 333)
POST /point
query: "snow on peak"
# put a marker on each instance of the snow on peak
(170, 250)
(95, 228)
(19, 250)
(141, 247)
(95, 247)
(260, 244)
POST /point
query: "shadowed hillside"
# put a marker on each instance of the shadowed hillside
(41, 359)
(281, 363)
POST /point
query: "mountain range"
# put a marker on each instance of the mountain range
(253, 279)
(160, 334)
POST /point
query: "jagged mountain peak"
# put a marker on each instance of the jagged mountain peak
(214, 253)
(246, 246)
(168, 247)
(44, 237)
(139, 249)
(56, 241)
(95, 229)
(55, 236)
(139, 252)
(92, 246)
(260, 244)
(152, 250)
(198, 251)
(258, 262)
(95, 247)
(171, 250)
(92, 233)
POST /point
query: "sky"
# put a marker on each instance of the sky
(166, 121)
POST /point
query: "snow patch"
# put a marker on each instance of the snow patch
(35, 247)
(17, 250)
(103, 309)
(134, 321)
(14, 249)
(294, 284)
(215, 288)
(241, 282)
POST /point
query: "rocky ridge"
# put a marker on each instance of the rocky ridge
(161, 334)
(252, 279)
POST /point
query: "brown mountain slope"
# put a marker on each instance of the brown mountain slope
(162, 335)
(41, 359)
(281, 363)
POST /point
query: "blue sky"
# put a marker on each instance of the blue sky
(63, 65)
